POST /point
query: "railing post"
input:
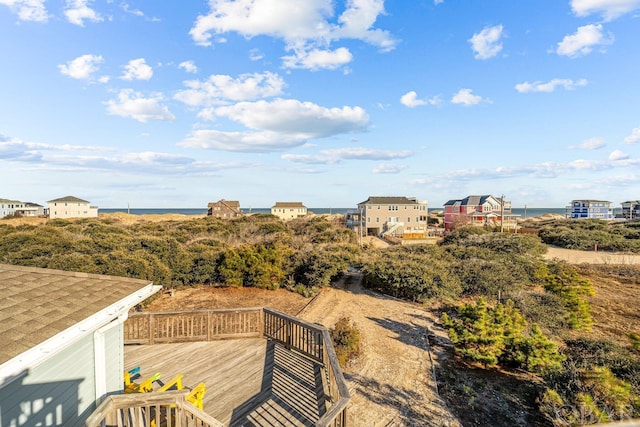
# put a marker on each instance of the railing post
(288, 331)
(261, 321)
(151, 328)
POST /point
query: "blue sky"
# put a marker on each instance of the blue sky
(176, 104)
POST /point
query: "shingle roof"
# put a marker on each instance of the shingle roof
(38, 303)
(392, 200)
(71, 199)
(289, 205)
(231, 204)
(470, 200)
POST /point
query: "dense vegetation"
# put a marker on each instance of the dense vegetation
(524, 315)
(257, 250)
(588, 234)
(521, 313)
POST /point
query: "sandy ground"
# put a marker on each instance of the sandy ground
(591, 257)
(391, 384)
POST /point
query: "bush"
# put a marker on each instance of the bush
(496, 336)
(563, 280)
(346, 341)
(600, 378)
(586, 234)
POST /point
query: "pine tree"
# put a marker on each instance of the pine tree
(475, 335)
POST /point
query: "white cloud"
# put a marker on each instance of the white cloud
(127, 8)
(77, 11)
(437, 2)
(466, 97)
(137, 69)
(317, 59)
(14, 149)
(618, 155)
(70, 158)
(609, 9)
(134, 105)
(634, 137)
(255, 55)
(248, 142)
(486, 44)
(296, 117)
(337, 155)
(388, 168)
(582, 42)
(307, 28)
(219, 88)
(550, 86)
(188, 66)
(544, 170)
(277, 125)
(81, 67)
(28, 10)
(410, 99)
(589, 144)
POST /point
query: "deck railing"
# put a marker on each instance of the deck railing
(192, 325)
(169, 409)
(311, 340)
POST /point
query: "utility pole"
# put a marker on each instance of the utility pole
(360, 226)
(502, 213)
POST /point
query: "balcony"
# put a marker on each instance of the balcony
(260, 367)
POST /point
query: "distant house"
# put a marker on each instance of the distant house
(31, 209)
(224, 209)
(395, 216)
(590, 209)
(71, 207)
(485, 210)
(62, 342)
(9, 207)
(631, 209)
(289, 210)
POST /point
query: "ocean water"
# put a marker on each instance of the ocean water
(523, 212)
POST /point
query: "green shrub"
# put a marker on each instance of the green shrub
(497, 336)
(346, 341)
(563, 280)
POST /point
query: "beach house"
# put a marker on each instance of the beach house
(289, 210)
(398, 216)
(590, 209)
(71, 207)
(224, 209)
(485, 210)
(9, 207)
(631, 209)
(62, 342)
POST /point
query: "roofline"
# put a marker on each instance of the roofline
(22, 363)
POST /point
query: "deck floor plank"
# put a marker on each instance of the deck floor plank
(250, 382)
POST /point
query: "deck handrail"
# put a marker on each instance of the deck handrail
(155, 327)
(308, 339)
(150, 409)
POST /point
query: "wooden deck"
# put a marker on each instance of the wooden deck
(250, 382)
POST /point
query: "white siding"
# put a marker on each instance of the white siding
(62, 390)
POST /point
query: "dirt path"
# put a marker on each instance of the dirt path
(591, 257)
(392, 383)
